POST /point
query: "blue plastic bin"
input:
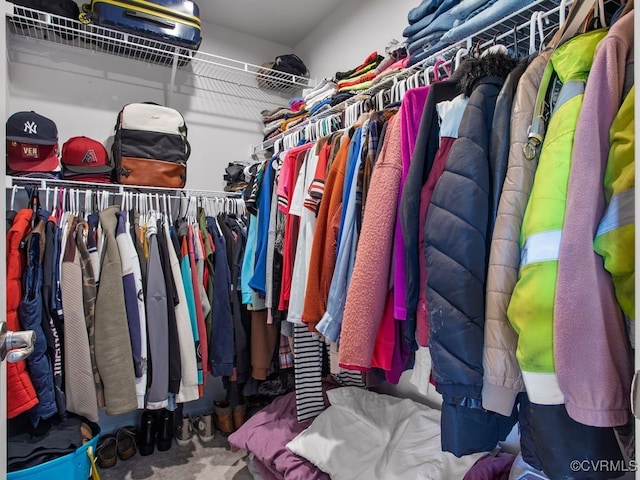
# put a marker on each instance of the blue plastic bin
(73, 466)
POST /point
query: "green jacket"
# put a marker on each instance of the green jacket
(531, 307)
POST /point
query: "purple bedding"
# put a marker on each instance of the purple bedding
(267, 432)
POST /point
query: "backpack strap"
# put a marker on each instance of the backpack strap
(537, 129)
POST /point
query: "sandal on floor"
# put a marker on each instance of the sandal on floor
(106, 451)
(126, 437)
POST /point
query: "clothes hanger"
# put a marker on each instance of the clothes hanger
(600, 14)
(167, 199)
(159, 206)
(532, 32)
(54, 206)
(436, 70)
(459, 54)
(46, 199)
(14, 189)
(577, 15)
(72, 202)
(87, 204)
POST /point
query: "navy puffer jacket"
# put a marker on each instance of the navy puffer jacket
(456, 242)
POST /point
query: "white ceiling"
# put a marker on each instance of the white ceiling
(281, 21)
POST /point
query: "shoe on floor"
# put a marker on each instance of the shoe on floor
(184, 432)
(147, 433)
(224, 417)
(126, 437)
(239, 415)
(106, 451)
(165, 429)
(203, 425)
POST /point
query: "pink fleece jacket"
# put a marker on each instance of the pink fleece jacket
(591, 353)
(370, 280)
(412, 107)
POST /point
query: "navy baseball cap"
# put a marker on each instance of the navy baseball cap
(32, 128)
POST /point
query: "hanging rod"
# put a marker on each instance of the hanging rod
(551, 13)
(117, 189)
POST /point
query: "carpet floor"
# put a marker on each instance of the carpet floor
(212, 460)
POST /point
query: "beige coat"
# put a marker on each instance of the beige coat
(502, 376)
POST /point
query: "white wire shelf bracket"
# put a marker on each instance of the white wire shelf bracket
(513, 31)
(250, 81)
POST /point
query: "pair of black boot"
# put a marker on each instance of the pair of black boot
(155, 426)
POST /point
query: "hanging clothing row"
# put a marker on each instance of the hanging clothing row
(131, 308)
(510, 183)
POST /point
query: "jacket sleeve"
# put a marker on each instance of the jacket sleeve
(502, 376)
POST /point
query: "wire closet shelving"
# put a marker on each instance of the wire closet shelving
(243, 79)
(517, 31)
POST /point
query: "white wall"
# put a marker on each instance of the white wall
(352, 31)
(83, 92)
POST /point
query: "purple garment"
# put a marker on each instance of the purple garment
(401, 353)
(491, 467)
(266, 434)
(412, 106)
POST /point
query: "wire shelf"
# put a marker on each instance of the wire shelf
(114, 188)
(252, 79)
(513, 32)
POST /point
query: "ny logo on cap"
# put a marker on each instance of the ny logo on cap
(30, 128)
(90, 157)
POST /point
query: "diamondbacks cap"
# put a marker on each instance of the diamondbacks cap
(32, 128)
(85, 156)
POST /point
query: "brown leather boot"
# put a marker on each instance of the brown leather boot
(239, 415)
(224, 418)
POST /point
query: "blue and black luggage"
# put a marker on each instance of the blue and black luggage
(176, 22)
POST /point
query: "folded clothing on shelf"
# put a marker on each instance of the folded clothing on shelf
(455, 29)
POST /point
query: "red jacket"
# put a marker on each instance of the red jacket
(21, 396)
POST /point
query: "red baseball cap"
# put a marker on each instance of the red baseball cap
(85, 156)
(29, 157)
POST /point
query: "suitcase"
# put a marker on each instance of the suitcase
(176, 22)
